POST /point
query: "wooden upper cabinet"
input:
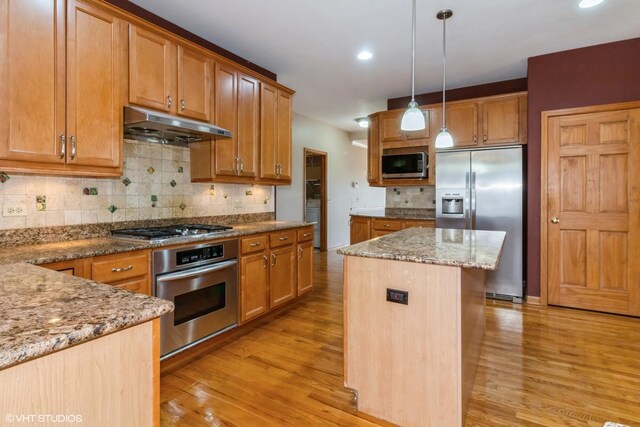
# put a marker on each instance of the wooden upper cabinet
(194, 84)
(248, 126)
(95, 42)
(374, 174)
(504, 120)
(226, 114)
(284, 135)
(62, 88)
(268, 132)
(462, 123)
(152, 81)
(168, 77)
(390, 130)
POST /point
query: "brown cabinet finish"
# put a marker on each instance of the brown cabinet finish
(63, 106)
(254, 281)
(286, 237)
(365, 228)
(360, 230)
(194, 84)
(284, 135)
(305, 234)
(282, 275)
(390, 128)
(254, 244)
(374, 174)
(275, 135)
(248, 140)
(384, 224)
(226, 116)
(305, 267)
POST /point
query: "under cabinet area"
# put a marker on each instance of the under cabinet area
(48, 80)
(129, 270)
(366, 228)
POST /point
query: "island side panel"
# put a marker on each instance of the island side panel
(107, 381)
(404, 360)
(472, 326)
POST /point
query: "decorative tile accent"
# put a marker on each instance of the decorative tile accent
(225, 195)
(41, 203)
(112, 208)
(421, 190)
(248, 193)
(212, 190)
(4, 177)
(154, 198)
(182, 206)
(126, 182)
(90, 191)
(397, 192)
(180, 169)
(173, 183)
(151, 170)
(266, 200)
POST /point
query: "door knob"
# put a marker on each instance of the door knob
(555, 220)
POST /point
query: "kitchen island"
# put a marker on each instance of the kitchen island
(74, 351)
(414, 322)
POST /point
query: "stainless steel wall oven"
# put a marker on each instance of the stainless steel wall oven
(202, 282)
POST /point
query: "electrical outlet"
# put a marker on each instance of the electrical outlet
(14, 210)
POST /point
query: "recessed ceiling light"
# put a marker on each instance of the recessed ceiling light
(363, 122)
(364, 55)
(589, 3)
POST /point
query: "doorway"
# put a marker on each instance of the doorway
(315, 195)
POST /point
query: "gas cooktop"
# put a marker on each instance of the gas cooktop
(168, 233)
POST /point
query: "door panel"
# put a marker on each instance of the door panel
(32, 80)
(254, 291)
(226, 114)
(94, 86)
(194, 85)
(462, 122)
(501, 120)
(305, 267)
(248, 124)
(594, 245)
(282, 275)
(268, 131)
(284, 134)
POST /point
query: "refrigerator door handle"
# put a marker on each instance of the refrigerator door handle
(467, 201)
(473, 200)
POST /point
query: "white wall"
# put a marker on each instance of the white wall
(346, 164)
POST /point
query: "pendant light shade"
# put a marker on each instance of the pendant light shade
(413, 118)
(444, 138)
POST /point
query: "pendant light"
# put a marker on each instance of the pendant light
(413, 118)
(444, 139)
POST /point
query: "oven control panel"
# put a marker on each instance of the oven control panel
(190, 256)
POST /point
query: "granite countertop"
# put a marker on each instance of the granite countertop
(44, 311)
(396, 213)
(439, 246)
(74, 249)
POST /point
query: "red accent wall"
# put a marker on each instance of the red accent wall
(601, 74)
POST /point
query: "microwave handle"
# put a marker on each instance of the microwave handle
(196, 272)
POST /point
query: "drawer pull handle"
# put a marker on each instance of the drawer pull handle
(264, 261)
(253, 245)
(387, 225)
(120, 269)
(300, 252)
(306, 235)
(284, 238)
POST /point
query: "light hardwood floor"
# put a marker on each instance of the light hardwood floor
(539, 367)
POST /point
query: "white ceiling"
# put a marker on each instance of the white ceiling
(312, 45)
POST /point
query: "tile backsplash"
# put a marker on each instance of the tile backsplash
(155, 184)
(411, 197)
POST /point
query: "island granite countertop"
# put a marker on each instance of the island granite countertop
(44, 311)
(74, 249)
(439, 246)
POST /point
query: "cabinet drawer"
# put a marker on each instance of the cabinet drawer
(420, 223)
(112, 268)
(305, 234)
(253, 244)
(282, 238)
(140, 285)
(387, 224)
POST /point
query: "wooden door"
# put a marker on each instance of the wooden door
(501, 120)
(95, 50)
(194, 84)
(32, 80)
(282, 275)
(284, 135)
(268, 131)
(421, 134)
(462, 122)
(152, 70)
(254, 281)
(592, 217)
(248, 125)
(360, 229)
(390, 126)
(305, 267)
(226, 114)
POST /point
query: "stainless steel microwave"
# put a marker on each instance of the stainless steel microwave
(410, 165)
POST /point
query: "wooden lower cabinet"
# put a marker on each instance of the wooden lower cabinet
(282, 275)
(305, 267)
(254, 285)
(365, 228)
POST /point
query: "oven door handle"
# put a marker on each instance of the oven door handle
(197, 271)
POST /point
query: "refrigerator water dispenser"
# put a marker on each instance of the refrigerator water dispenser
(452, 205)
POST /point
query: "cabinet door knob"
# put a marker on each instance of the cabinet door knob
(300, 252)
(183, 104)
(169, 101)
(475, 138)
(555, 220)
(63, 146)
(484, 138)
(73, 147)
(264, 261)
(273, 260)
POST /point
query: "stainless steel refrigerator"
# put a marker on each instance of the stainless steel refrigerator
(483, 190)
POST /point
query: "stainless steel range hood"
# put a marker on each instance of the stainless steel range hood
(152, 126)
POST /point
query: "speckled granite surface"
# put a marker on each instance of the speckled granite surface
(37, 235)
(74, 249)
(43, 311)
(397, 213)
(440, 246)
